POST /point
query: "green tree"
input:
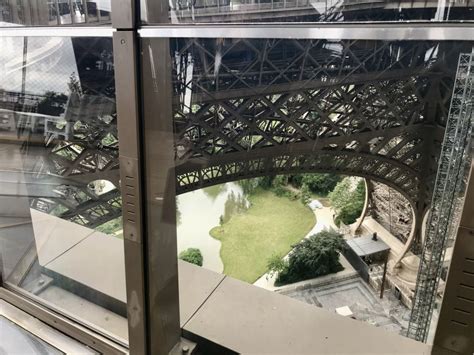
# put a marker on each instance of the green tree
(347, 201)
(192, 255)
(320, 183)
(305, 194)
(315, 256)
(276, 265)
(53, 104)
(249, 186)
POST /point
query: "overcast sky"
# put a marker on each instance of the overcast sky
(50, 62)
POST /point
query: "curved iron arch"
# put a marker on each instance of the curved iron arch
(199, 173)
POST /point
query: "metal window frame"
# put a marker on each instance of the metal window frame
(47, 334)
(61, 323)
(379, 32)
(138, 260)
(151, 274)
(360, 31)
(56, 31)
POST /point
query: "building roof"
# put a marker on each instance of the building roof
(365, 246)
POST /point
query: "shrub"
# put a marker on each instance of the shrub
(347, 201)
(276, 265)
(280, 191)
(315, 256)
(192, 255)
(296, 180)
(320, 183)
(305, 194)
(249, 186)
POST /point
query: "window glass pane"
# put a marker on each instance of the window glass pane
(282, 149)
(54, 12)
(60, 203)
(232, 11)
(16, 340)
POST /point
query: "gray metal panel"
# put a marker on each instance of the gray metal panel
(56, 31)
(123, 14)
(30, 331)
(364, 246)
(247, 319)
(128, 130)
(195, 285)
(61, 323)
(408, 31)
(160, 189)
(467, 218)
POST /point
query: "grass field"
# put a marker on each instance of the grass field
(270, 226)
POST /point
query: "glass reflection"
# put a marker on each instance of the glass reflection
(212, 11)
(60, 202)
(254, 120)
(54, 12)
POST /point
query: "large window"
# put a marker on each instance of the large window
(54, 12)
(165, 164)
(272, 141)
(271, 11)
(61, 239)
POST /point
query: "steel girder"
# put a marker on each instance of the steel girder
(365, 98)
(391, 209)
(244, 108)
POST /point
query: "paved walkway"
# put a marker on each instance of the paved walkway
(363, 301)
(324, 220)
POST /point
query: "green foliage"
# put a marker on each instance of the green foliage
(249, 186)
(234, 204)
(305, 194)
(315, 256)
(276, 265)
(52, 104)
(347, 201)
(296, 180)
(320, 184)
(265, 182)
(111, 227)
(74, 84)
(280, 191)
(280, 180)
(192, 255)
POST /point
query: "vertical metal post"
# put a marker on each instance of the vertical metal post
(157, 11)
(126, 79)
(455, 329)
(71, 11)
(446, 199)
(58, 14)
(161, 195)
(382, 287)
(86, 11)
(149, 210)
(98, 13)
(128, 104)
(29, 20)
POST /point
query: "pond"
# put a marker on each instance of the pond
(201, 210)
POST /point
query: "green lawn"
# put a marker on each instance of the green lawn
(270, 226)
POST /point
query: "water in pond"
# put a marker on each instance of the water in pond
(199, 211)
